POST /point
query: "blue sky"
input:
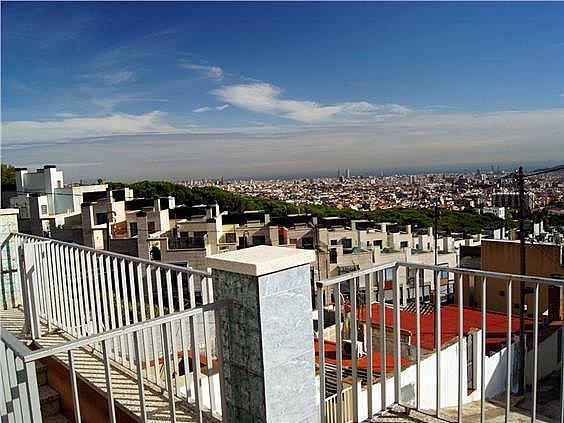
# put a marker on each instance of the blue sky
(204, 89)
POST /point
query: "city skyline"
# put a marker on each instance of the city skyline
(176, 90)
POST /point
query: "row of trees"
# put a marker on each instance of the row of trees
(468, 222)
(8, 177)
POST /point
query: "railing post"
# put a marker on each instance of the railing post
(397, 337)
(29, 290)
(266, 333)
(10, 292)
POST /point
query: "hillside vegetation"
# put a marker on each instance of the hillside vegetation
(468, 222)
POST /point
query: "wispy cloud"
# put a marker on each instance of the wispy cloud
(114, 78)
(69, 128)
(267, 98)
(47, 26)
(207, 71)
(210, 109)
(131, 146)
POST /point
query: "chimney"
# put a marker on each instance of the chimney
(36, 226)
(87, 211)
(20, 178)
(157, 204)
(142, 235)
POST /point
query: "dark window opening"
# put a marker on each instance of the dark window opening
(155, 253)
(307, 243)
(101, 218)
(333, 255)
(259, 240)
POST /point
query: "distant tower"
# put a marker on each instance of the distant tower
(339, 173)
(348, 174)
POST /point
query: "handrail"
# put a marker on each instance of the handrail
(352, 275)
(116, 255)
(482, 273)
(14, 343)
(485, 273)
(124, 330)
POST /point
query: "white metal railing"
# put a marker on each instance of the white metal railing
(346, 408)
(96, 295)
(367, 287)
(19, 395)
(190, 352)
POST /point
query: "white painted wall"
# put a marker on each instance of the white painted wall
(495, 371)
(206, 382)
(548, 359)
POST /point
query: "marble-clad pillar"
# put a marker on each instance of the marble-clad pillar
(267, 333)
(10, 291)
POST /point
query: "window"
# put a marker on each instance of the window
(259, 240)
(59, 184)
(346, 242)
(307, 243)
(231, 237)
(101, 218)
(151, 227)
(133, 228)
(293, 241)
(155, 253)
(333, 242)
(404, 244)
(43, 209)
(332, 255)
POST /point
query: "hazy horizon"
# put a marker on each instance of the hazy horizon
(132, 91)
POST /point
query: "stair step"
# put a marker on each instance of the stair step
(49, 400)
(59, 418)
(41, 371)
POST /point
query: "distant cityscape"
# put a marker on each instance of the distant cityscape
(453, 191)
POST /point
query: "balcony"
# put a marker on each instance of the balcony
(185, 243)
(156, 342)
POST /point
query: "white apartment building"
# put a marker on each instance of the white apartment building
(45, 203)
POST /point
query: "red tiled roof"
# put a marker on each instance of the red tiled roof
(362, 363)
(496, 325)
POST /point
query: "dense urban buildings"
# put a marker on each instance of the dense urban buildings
(455, 191)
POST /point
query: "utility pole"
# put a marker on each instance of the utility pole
(436, 228)
(523, 271)
(108, 217)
